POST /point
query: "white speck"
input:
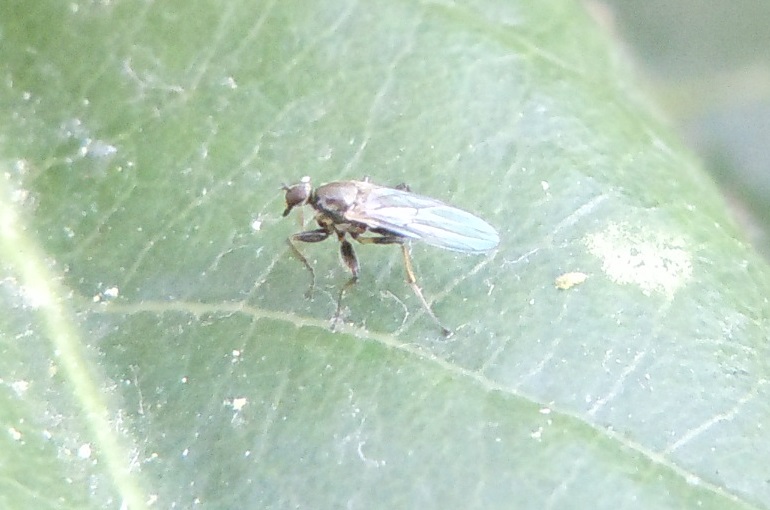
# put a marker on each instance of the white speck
(21, 166)
(256, 225)
(545, 410)
(99, 149)
(239, 403)
(19, 196)
(84, 452)
(545, 185)
(109, 293)
(185, 452)
(184, 380)
(20, 387)
(537, 434)
(230, 82)
(692, 479)
(15, 434)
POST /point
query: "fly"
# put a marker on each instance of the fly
(388, 216)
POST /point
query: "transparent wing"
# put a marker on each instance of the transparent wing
(418, 217)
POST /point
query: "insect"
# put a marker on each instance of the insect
(388, 216)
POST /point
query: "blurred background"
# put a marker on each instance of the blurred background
(707, 63)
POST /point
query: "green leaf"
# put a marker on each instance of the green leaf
(157, 347)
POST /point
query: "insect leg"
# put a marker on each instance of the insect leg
(310, 236)
(410, 277)
(350, 259)
(349, 256)
(412, 281)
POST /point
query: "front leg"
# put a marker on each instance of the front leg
(310, 236)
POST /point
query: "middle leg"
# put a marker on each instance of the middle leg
(351, 261)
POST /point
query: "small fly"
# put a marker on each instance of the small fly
(389, 216)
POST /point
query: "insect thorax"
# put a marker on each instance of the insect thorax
(335, 199)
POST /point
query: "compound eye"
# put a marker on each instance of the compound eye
(297, 194)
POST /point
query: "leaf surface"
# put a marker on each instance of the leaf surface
(158, 350)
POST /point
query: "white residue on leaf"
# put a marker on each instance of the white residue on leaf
(238, 403)
(651, 259)
(20, 387)
(230, 82)
(89, 146)
(84, 452)
(106, 294)
(97, 148)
